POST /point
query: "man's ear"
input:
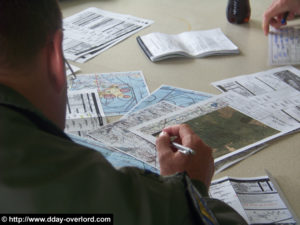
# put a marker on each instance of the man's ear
(56, 62)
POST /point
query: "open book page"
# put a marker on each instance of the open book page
(210, 42)
(160, 46)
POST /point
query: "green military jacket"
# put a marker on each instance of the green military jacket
(43, 171)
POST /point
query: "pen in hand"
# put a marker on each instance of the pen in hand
(285, 15)
(183, 149)
(179, 147)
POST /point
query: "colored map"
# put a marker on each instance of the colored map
(119, 137)
(226, 130)
(119, 92)
(176, 96)
(116, 158)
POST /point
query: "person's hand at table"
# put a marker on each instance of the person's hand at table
(275, 13)
(199, 166)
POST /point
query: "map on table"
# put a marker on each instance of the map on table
(227, 130)
(116, 158)
(173, 95)
(222, 122)
(119, 92)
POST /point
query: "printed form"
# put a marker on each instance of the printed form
(284, 46)
(276, 90)
(90, 32)
(84, 112)
(255, 199)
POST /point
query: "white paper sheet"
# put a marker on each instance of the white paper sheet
(91, 31)
(284, 46)
(84, 112)
(255, 199)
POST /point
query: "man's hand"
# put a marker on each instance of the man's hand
(199, 166)
(274, 14)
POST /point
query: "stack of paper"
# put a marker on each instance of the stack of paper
(90, 32)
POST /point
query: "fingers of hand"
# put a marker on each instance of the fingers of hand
(274, 14)
(172, 130)
(163, 142)
(187, 137)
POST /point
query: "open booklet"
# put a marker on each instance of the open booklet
(258, 200)
(196, 44)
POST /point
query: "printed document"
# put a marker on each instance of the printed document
(255, 199)
(284, 46)
(276, 89)
(84, 112)
(91, 31)
(286, 77)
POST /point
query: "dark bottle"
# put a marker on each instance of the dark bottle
(238, 11)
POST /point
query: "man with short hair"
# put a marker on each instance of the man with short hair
(43, 171)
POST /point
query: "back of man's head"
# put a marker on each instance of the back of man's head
(25, 27)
